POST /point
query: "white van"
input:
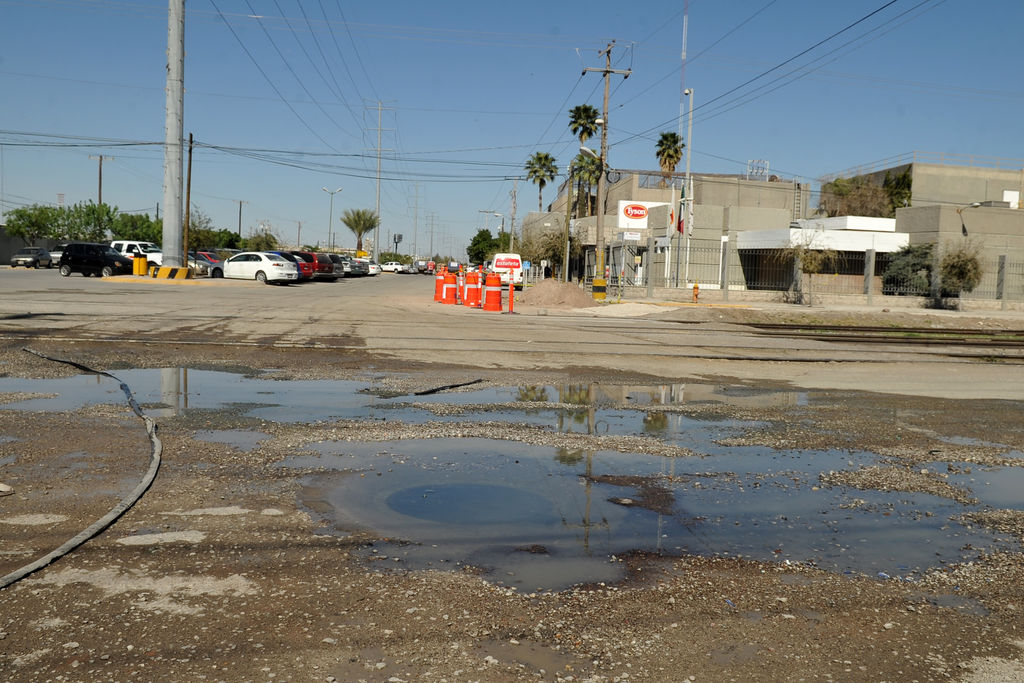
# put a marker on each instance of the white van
(510, 268)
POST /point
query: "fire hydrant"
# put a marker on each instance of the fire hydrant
(696, 292)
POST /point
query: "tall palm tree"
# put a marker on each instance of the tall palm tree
(669, 151)
(583, 124)
(540, 168)
(360, 221)
(583, 121)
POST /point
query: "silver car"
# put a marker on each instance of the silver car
(32, 257)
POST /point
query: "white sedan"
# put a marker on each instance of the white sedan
(261, 266)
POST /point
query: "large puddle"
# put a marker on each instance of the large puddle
(545, 518)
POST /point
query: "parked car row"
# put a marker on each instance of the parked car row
(117, 258)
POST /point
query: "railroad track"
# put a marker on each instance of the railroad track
(925, 336)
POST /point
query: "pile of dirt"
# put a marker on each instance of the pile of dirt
(555, 294)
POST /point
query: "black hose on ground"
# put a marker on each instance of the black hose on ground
(106, 520)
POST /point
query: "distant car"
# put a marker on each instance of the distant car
(201, 263)
(408, 268)
(211, 256)
(264, 267)
(360, 267)
(32, 257)
(56, 252)
(391, 267)
(90, 258)
(372, 267)
(342, 268)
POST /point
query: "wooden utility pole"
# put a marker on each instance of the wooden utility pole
(99, 192)
(188, 204)
(599, 281)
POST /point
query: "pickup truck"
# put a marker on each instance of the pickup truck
(129, 248)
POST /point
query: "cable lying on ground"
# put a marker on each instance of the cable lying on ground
(156, 449)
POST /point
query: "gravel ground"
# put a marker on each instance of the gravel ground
(218, 573)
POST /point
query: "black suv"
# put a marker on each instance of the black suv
(89, 258)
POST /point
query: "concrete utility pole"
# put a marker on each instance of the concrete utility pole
(240, 202)
(415, 221)
(599, 280)
(512, 213)
(376, 242)
(99, 192)
(173, 130)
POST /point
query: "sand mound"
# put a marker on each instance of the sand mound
(555, 294)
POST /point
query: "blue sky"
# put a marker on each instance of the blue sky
(282, 98)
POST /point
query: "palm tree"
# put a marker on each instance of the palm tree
(583, 124)
(583, 121)
(360, 221)
(669, 151)
(541, 168)
(588, 171)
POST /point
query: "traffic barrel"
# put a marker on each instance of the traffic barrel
(439, 287)
(492, 293)
(472, 298)
(448, 295)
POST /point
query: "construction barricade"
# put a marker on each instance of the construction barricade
(439, 286)
(492, 293)
(450, 290)
(472, 296)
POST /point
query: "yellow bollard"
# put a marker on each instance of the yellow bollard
(696, 292)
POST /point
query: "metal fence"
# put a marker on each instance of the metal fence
(721, 271)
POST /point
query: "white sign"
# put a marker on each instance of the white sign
(633, 215)
(629, 236)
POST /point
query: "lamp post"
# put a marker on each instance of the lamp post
(330, 221)
(960, 212)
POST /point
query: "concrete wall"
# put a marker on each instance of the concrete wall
(995, 230)
(962, 185)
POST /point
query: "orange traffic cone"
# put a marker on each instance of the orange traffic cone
(492, 293)
(449, 295)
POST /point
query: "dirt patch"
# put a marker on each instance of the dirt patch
(555, 294)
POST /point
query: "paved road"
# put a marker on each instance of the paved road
(393, 317)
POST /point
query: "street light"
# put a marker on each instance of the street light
(688, 223)
(330, 221)
(960, 212)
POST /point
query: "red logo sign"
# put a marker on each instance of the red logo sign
(635, 211)
(508, 263)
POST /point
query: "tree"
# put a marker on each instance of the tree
(482, 246)
(360, 221)
(261, 241)
(583, 121)
(86, 222)
(588, 172)
(960, 268)
(909, 271)
(33, 222)
(898, 190)
(855, 197)
(134, 226)
(669, 151)
(540, 168)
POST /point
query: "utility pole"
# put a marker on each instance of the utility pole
(415, 219)
(188, 204)
(599, 280)
(173, 129)
(512, 213)
(240, 202)
(433, 219)
(99, 192)
(376, 242)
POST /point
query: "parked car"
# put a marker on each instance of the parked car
(324, 267)
(201, 263)
(408, 268)
(211, 256)
(372, 268)
(32, 257)
(56, 252)
(154, 255)
(391, 267)
(265, 267)
(90, 258)
(359, 266)
(308, 272)
(342, 267)
(304, 267)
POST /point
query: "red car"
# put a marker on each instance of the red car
(305, 267)
(325, 267)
